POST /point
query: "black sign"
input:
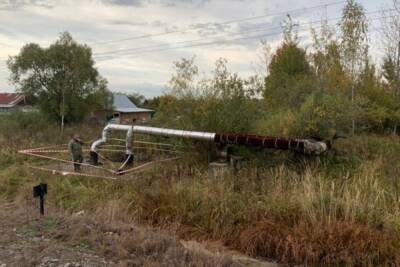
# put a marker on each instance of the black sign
(39, 191)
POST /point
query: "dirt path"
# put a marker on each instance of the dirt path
(28, 241)
(58, 239)
(212, 248)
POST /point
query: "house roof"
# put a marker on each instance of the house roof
(9, 100)
(123, 104)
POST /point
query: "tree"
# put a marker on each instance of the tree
(322, 115)
(389, 70)
(102, 100)
(391, 44)
(137, 99)
(376, 103)
(223, 102)
(230, 103)
(290, 77)
(325, 59)
(61, 77)
(354, 43)
(182, 82)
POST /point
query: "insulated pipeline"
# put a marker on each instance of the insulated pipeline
(205, 136)
(306, 146)
(129, 137)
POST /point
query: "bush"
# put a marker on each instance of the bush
(323, 115)
(23, 121)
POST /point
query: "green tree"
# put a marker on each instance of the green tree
(322, 115)
(326, 60)
(391, 44)
(354, 43)
(230, 102)
(389, 70)
(223, 102)
(290, 77)
(61, 77)
(378, 106)
(183, 81)
(137, 99)
(391, 62)
(101, 100)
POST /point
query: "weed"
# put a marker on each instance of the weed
(329, 211)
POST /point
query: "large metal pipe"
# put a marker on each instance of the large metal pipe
(205, 136)
(129, 137)
(307, 146)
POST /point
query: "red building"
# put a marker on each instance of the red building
(12, 102)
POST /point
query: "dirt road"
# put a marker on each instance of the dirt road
(59, 239)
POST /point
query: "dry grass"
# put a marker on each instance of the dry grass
(337, 243)
(295, 217)
(133, 246)
(334, 211)
(28, 239)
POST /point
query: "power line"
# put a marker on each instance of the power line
(164, 47)
(139, 49)
(224, 35)
(195, 45)
(295, 11)
(206, 44)
(175, 43)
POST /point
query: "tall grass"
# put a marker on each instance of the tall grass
(293, 216)
(337, 210)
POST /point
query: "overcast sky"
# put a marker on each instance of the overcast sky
(135, 42)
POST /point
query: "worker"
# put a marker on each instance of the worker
(75, 148)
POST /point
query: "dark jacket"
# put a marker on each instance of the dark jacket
(75, 147)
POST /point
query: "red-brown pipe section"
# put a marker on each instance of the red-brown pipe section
(260, 141)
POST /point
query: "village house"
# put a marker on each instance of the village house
(13, 102)
(125, 112)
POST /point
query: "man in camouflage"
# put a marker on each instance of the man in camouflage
(75, 148)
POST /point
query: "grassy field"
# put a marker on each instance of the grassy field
(335, 210)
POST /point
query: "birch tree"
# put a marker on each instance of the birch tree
(354, 44)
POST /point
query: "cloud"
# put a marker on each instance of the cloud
(128, 22)
(135, 3)
(210, 28)
(18, 4)
(149, 90)
(102, 24)
(183, 3)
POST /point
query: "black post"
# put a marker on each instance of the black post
(42, 205)
(40, 191)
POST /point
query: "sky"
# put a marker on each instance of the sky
(136, 42)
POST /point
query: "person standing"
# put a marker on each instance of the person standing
(75, 148)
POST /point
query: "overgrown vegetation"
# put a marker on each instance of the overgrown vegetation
(341, 209)
(334, 210)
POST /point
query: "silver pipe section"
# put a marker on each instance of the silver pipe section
(205, 136)
(117, 127)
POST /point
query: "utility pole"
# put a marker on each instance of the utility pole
(62, 110)
(397, 90)
(65, 76)
(398, 67)
(353, 120)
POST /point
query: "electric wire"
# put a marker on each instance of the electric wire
(139, 51)
(295, 11)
